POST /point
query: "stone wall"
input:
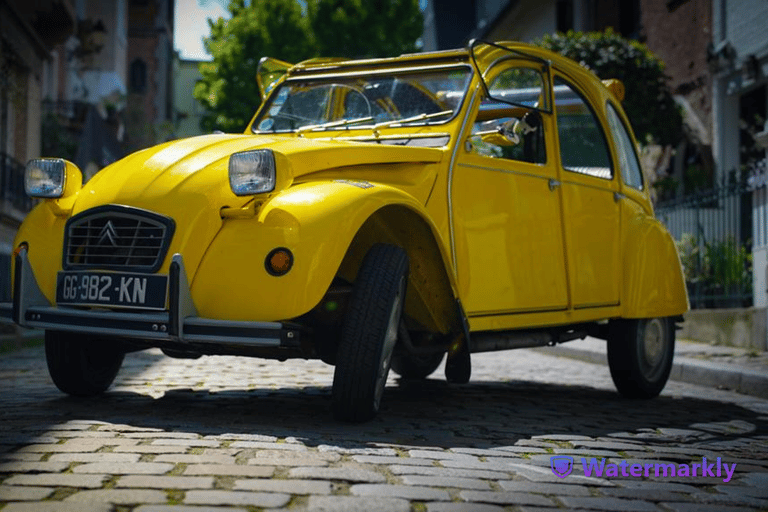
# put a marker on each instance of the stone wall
(743, 327)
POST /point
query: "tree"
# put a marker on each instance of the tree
(228, 90)
(293, 31)
(648, 100)
(365, 28)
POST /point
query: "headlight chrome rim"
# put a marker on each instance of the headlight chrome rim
(53, 170)
(252, 172)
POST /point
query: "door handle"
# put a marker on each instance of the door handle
(618, 197)
(553, 184)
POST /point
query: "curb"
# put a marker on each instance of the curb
(686, 369)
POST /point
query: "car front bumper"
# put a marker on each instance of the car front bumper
(178, 326)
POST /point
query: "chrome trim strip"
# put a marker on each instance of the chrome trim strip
(26, 291)
(456, 146)
(325, 74)
(223, 340)
(209, 322)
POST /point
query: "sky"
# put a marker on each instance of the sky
(191, 25)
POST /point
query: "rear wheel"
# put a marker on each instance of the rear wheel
(640, 355)
(369, 334)
(81, 365)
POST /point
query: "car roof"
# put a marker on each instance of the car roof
(485, 54)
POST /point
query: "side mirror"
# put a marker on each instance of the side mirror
(510, 132)
(496, 139)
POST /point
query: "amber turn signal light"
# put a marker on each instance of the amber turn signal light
(17, 250)
(279, 261)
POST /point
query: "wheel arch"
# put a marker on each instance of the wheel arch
(329, 226)
(430, 303)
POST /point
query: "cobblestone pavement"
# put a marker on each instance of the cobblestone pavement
(226, 433)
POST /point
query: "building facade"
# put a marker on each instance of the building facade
(188, 111)
(739, 61)
(149, 112)
(28, 34)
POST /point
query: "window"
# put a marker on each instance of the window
(564, 15)
(138, 76)
(523, 86)
(583, 146)
(631, 173)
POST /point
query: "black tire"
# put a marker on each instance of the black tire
(415, 367)
(369, 334)
(640, 355)
(81, 365)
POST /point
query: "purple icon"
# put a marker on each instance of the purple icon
(562, 465)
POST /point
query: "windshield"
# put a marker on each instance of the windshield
(343, 103)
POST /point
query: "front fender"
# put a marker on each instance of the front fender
(318, 222)
(653, 279)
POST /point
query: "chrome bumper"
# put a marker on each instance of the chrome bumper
(178, 325)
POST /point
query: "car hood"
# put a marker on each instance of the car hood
(187, 180)
(198, 166)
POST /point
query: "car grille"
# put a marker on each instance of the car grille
(117, 238)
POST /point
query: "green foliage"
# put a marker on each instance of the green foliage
(727, 264)
(365, 28)
(716, 270)
(688, 249)
(228, 89)
(293, 31)
(648, 100)
(57, 140)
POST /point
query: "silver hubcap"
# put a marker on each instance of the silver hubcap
(654, 346)
(390, 337)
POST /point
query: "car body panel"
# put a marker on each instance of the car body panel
(319, 239)
(653, 280)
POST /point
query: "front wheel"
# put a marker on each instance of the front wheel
(81, 365)
(369, 334)
(640, 355)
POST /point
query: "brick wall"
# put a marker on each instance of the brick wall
(680, 38)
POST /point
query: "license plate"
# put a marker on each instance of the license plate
(145, 291)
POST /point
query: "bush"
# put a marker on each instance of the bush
(648, 101)
(718, 274)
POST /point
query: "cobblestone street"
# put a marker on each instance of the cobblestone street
(226, 433)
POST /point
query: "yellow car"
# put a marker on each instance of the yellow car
(376, 214)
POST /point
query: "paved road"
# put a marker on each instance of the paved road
(226, 433)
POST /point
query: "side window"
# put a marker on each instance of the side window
(631, 173)
(525, 140)
(583, 146)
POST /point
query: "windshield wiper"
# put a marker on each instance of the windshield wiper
(412, 119)
(334, 124)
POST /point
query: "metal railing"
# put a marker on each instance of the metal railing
(12, 183)
(75, 110)
(713, 232)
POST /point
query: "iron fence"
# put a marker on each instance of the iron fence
(12, 183)
(713, 233)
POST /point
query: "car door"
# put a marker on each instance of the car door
(506, 209)
(590, 199)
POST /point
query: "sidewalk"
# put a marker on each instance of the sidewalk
(695, 363)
